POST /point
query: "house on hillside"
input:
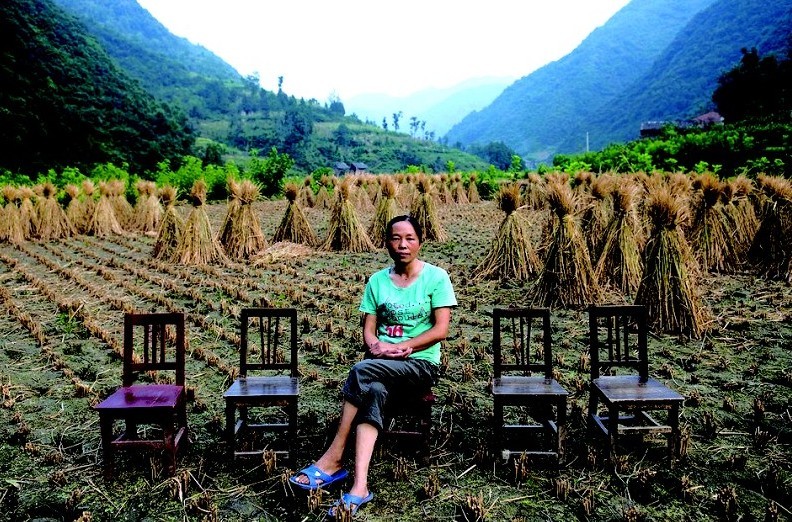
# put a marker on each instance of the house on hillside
(359, 168)
(650, 129)
(340, 168)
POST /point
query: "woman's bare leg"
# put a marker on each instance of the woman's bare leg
(332, 459)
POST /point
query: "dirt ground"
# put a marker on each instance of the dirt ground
(64, 303)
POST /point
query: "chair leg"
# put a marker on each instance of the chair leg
(169, 436)
(613, 431)
(106, 430)
(497, 425)
(230, 414)
(674, 441)
(561, 425)
(292, 433)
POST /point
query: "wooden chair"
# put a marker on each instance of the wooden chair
(618, 342)
(409, 419)
(161, 348)
(273, 385)
(532, 388)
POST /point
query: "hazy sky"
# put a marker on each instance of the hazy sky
(350, 47)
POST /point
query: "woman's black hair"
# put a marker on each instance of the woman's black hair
(409, 219)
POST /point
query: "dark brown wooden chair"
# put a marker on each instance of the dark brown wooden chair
(620, 379)
(523, 378)
(161, 347)
(408, 420)
(268, 378)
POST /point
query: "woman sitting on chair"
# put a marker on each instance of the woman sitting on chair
(407, 310)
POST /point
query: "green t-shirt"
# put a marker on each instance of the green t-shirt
(404, 313)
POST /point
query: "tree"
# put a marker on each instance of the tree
(396, 117)
(269, 172)
(335, 105)
(384, 123)
(758, 89)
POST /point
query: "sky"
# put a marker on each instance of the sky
(344, 48)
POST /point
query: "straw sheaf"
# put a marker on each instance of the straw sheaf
(711, 189)
(389, 187)
(72, 190)
(198, 193)
(88, 187)
(508, 197)
(248, 192)
(168, 195)
(48, 190)
(560, 198)
(665, 210)
(511, 256)
(291, 190)
(10, 193)
(776, 188)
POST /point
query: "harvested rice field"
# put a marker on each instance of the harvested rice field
(63, 304)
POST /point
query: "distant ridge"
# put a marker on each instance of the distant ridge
(536, 114)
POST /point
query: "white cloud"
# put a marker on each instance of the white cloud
(359, 46)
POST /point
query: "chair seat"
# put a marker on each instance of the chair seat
(523, 385)
(628, 389)
(263, 388)
(150, 397)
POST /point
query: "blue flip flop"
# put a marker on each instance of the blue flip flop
(314, 475)
(350, 502)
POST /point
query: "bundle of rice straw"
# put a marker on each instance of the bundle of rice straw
(87, 203)
(28, 217)
(424, 210)
(344, 230)
(104, 222)
(511, 256)
(198, 245)
(124, 212)
(407, 190)
(306, 195)
(771, 250)
(148, 211)
(619, 251)
(323, 199)
(668, 286)
(567, 278)
(742, 214)
(74, 208)
(53, 223)
(171, 226)
(460, 196)
(294, 227)
(596, 209)
(385, 211)
(10, 224)
(359, 195)
(282, 251)
(472, 190)
(534, 192)
(245, 237)
(444, 189)
(711, 228)
(582, 181)
(232, 208)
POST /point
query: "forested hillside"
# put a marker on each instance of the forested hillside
(232, 115)
(536, 114)
(681, 81)
(64, 102)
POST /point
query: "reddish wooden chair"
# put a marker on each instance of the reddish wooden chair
(161, 348)
(269, 381)
(618, 343)
(523, 378)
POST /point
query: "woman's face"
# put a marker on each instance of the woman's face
(403, 244)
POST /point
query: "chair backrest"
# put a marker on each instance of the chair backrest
(265, 342)
(516, 327)
(617, 339)
(161, 346)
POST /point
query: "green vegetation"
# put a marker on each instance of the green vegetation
(64, 103)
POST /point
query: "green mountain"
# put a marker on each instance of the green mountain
(235, 114)
(536, 114)
(680, 83)
(64, 102)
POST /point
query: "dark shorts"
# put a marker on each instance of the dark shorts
(371, 381)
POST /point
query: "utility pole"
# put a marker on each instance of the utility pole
(587, 142)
